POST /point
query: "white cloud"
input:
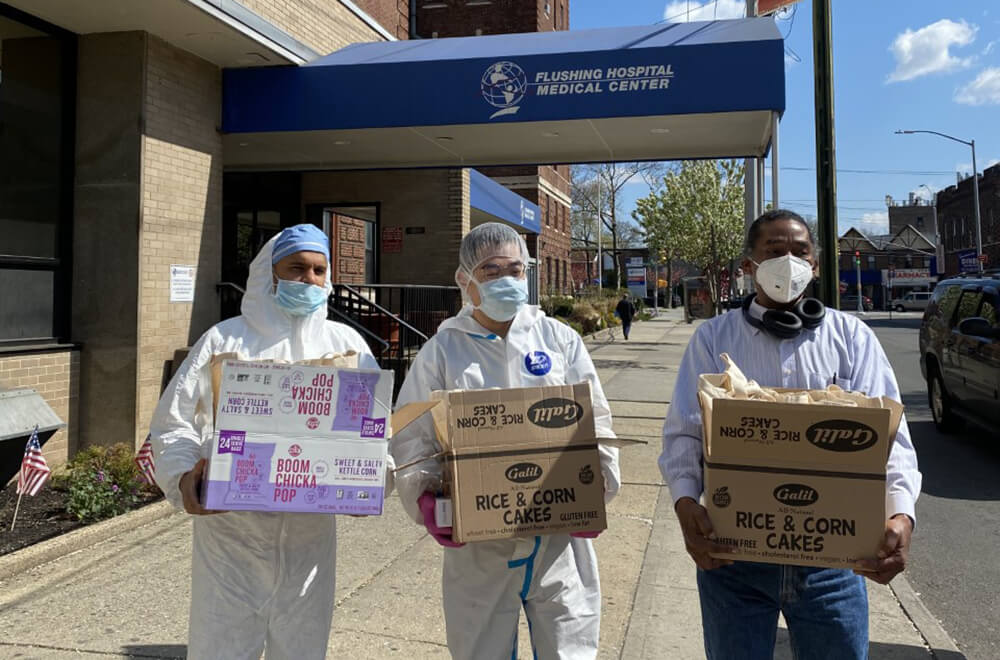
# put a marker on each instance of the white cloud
(928, 50)
(875, 222)
(681, 11)
(984, 90)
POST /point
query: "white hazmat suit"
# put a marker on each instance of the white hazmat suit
(256, 578)
(485, 584)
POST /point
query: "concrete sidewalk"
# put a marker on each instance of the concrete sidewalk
(128, 596)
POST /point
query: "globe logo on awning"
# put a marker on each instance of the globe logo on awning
(503, 85)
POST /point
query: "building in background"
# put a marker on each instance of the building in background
(957, 224)
(548, 186)
(891, 264)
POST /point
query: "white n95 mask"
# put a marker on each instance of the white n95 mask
(783, 279)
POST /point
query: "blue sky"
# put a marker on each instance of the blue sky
(912, 64)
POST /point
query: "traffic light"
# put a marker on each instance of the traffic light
(857, 257)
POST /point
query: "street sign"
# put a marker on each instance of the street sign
(765, 7)
(983, 258)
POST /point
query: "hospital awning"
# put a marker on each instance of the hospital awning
(491, 202)
(660, 92)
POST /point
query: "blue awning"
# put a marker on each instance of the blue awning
(703, 89)
(490, 201)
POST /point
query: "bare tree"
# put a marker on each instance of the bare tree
(597, 194)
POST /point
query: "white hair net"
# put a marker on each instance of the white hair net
(488, 240)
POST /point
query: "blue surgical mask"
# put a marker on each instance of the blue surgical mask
(502, 297)
(299, 298)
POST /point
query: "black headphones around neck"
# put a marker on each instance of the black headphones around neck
(808, 313)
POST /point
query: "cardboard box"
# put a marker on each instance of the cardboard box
(302, 438)
(520, 462)
(795, 483)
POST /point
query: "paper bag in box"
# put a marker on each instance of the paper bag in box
(521, 462)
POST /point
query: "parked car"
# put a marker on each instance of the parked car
(914, 301)
(849, 303)
(960, 352)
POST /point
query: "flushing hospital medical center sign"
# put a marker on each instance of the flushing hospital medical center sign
(505, 84)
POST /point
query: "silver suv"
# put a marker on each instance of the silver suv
(960, 351)
(914, 301)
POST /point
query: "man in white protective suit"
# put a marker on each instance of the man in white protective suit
(498, 340)
(258, 580)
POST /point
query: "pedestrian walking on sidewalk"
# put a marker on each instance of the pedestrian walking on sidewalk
(782, 339)
(625, 310)
(497, 340)
(258, 580)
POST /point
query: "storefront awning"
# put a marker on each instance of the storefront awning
(491, 202)
(661, 92)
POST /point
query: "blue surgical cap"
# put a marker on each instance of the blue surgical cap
(300, 238)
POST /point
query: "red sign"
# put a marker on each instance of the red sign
(765, 7)
(984, 258)
(392, 240)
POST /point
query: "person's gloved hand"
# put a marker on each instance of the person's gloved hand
(441, 534)
(586, 535)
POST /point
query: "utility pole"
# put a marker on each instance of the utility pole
(826, 153)
(750, 200)
(600, 229)
(857, 272)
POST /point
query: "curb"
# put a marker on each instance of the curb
(942, 646)
(60, 546)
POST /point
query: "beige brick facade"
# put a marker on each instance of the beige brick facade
(181, 213)
(56, 376)
(323, 25)
(435, 200)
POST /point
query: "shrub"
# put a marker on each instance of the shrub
(102, 482)
(588, 317)
(558, 306)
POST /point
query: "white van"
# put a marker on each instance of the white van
(914, 301)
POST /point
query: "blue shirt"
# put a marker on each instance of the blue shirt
(842, 350)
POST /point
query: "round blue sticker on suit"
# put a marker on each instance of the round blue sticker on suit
(538, 362)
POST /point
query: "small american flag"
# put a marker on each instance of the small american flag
(144, 461)
(34, 470)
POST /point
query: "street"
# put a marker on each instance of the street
(953, 562)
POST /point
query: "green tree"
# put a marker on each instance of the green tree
(697, 216)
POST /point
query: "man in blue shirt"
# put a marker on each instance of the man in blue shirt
(782, 339)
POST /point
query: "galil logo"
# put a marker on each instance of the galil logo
(841, 435)
(796, 494)
(523, 473)
(555, 413)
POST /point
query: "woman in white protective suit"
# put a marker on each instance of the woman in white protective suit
(497, 340)
(257, 579)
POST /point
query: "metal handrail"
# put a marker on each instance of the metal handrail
(347, 320)
(232, 285)
(385, 311)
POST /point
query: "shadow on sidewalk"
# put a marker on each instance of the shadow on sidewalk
(157, 651)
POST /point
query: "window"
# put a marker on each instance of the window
(920, 221)
(548, 273)
(989, 311)
(946, 297)
(565, 280)
(871, 262)
(371, 274)
(37, 103)
(968, 305)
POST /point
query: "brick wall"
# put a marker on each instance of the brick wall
(436, 200)
(350, 250)
(458, 18)
(181, 217)
(393, 15)
(323, 25)
(56, 376)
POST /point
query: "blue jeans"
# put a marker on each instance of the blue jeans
(826, 611)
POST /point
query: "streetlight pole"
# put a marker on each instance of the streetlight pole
(975, 189)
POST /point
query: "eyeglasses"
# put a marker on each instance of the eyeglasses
(514, 269)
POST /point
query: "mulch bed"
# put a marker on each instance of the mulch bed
(40, 517)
